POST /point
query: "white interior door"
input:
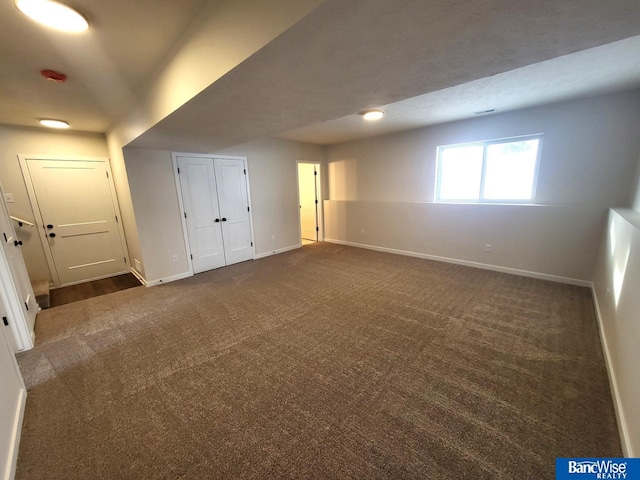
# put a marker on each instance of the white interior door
(12, 400)
(76, 204)
(202, 216)
(16, 291)
(231, 181)
(308, 201)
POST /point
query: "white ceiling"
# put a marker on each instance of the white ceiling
(605, 69)
(424, 62)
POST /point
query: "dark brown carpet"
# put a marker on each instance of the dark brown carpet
(323, 362)
(82, 291)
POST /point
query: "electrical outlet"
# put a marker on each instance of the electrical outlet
(8, 197)
(362, 233)
(487, 248)
(175, 258)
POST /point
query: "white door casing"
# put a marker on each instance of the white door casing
(77, 214)
(200, 202)
(226, 221)
(308, 201)
(15, 289)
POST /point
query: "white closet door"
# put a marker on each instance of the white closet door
(234, 209)
(204, 226)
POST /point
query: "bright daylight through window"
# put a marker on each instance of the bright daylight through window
(496, 171)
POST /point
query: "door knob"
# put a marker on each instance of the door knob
(52, 234)
(217, 220)
(224, 219)
(17, 242)
(49, 226)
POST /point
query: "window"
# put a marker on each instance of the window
(495, 171)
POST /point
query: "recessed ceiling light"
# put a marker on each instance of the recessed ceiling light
(54, 15)
(372, 115)
(49, 122)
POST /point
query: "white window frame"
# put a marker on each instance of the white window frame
(485, 144)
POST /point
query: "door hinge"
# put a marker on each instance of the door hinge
(125, 259)
(191, 256)
(26, 305)
(315, 173)
(317, 229)
(116, 218)
(316, 202)
(248, 209)
(185, 214)
(252, 244)
(107, 174)
(5, 321)
(178, 170)
(245, 171)
(5, 237)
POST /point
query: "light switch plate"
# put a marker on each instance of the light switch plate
(8, 197)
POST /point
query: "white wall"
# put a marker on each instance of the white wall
(589, 159)
(635, 193)
(274, 202)
(616, 285)
(16, 141)
(121, 182)
(273, 177)
(157, 214)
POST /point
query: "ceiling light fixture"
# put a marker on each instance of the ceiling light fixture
(54, 15)
(372, 115)
(51, 123)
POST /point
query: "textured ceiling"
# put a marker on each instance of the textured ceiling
(605, 69)
(425, 61)
(348, 55)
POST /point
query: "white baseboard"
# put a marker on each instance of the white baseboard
(623, 431)
(138, 275)
(466, 263)
(10, 472)
(173, 278)
(275, 252)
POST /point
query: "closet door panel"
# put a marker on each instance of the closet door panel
(231, 182)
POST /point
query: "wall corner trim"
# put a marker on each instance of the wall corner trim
(623, 431)
(139, 276)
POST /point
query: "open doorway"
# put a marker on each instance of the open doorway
(310, 202)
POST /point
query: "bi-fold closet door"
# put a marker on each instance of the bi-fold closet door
(216, 210)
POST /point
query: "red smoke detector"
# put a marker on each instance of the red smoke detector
(54, 76)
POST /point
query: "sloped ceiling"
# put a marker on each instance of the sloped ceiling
(348, 55)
